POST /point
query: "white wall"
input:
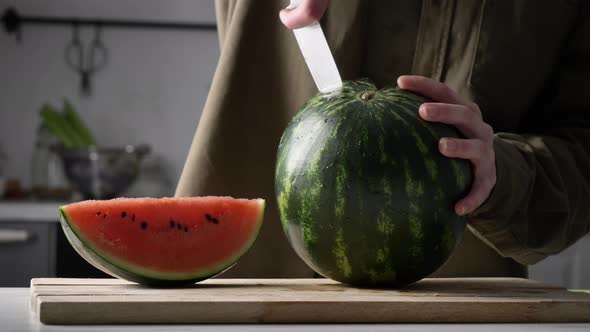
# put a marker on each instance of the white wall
(151, 91)
(571, 268)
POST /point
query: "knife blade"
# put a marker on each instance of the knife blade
(318, 57)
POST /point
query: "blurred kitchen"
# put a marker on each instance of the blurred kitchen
(138, 90)
(141, 95)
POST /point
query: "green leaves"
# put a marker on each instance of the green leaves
(67, 125)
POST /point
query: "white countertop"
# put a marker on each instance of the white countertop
(29, 211)
(16, 316)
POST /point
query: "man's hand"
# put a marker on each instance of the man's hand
(305, 14)
(477, 147)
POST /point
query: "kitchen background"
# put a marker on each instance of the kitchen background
(151, 91)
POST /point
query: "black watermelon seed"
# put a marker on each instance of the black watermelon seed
(98, 213)
(179, 226)
(143, 225)
(172, 224)
(133, 217)
(185, 229)
(104, 216)
(123, 214)
(211, 219)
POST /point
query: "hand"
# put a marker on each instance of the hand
(305, 14)
(477, 147)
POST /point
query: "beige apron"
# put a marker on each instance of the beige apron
(262, 80)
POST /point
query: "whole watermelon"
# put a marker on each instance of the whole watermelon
(364, 195)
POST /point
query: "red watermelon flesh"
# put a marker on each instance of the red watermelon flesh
(163, 240)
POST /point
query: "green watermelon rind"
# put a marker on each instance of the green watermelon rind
(131, 272)
(364, 195)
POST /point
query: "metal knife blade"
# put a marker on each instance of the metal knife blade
(318, 56)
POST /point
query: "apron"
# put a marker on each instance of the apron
(261, 81)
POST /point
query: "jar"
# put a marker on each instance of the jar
(48, 181)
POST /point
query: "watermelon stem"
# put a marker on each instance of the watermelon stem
(367, 95)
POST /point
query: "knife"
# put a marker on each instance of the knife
(317, 54)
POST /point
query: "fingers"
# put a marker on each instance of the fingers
(472, 149)
(485, 180)
(465, 118)
(452, 109)
(305, 14)
(431, 89)
(481, 155)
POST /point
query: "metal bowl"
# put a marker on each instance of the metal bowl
(102, 172)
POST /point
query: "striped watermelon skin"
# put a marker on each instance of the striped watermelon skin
(364, 195)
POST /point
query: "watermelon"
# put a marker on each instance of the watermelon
(163, 241)
(364, 195)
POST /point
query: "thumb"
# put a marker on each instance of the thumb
(306, 13)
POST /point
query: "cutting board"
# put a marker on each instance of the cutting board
(112, 301)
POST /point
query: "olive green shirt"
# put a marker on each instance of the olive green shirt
(524, 62)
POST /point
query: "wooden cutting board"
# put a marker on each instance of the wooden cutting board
(111, 301)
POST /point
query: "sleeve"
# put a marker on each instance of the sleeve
(540, 204)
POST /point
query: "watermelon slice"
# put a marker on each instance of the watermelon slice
(163, 241)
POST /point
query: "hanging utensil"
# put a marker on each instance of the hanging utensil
(86, 62)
